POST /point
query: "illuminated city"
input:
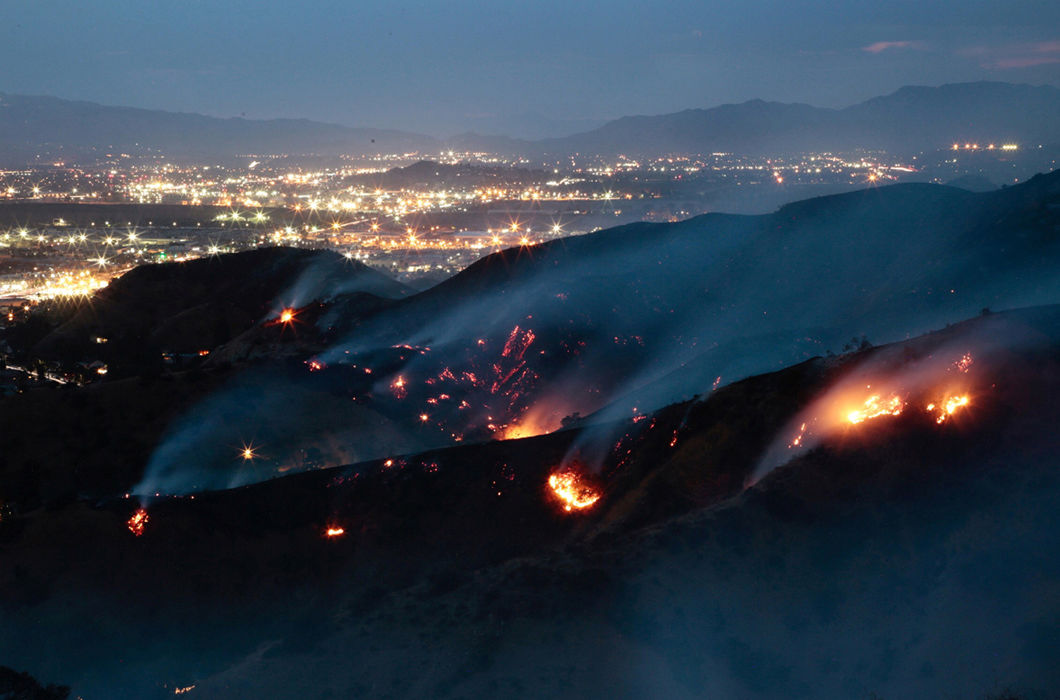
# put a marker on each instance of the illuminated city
(418, 217)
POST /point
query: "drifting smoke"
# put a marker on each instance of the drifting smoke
(329, 277)
(266, 424)
(940, 387)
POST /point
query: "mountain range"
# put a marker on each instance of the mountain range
(909, 120)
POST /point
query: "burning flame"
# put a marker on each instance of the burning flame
(137, 522)
(948, 406)
(334, 532)
(572, 491)
(287, 315)
(874, 407)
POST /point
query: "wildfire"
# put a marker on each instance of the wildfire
(334, 532)
(137, 522)
(948, 406)
(965, 363)
(876, 406)
(573, 491)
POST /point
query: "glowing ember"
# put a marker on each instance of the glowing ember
(287, 315)
(797, 442)
(965, 363)
(948, 406)
(573, 492)
(334, 532)
(137, 522)
(876, 406)
(398, 387)
(185, 689)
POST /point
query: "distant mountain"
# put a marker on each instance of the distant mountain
(909, 120)
(31, 124)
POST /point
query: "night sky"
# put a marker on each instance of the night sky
(446, 67)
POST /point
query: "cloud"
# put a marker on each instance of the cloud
(1014, 56)
(881, 46)
(1025, 61)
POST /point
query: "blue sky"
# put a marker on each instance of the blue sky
(444, 67)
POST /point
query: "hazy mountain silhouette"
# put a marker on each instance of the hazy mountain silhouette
(911, 119)
(32, 123)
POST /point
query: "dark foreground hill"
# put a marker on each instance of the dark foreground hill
(899, 556)
(187, 307)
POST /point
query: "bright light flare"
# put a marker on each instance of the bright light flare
(287, 315)
(333, 532)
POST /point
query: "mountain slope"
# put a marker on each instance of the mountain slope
(902, 526)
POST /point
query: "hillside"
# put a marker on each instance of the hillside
(459, 563)
(183, 308)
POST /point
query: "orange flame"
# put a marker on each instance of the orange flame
(874, 407)
(572, 490)
(948, 406)
(334, 532)
(287, 315)
(137, 522)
